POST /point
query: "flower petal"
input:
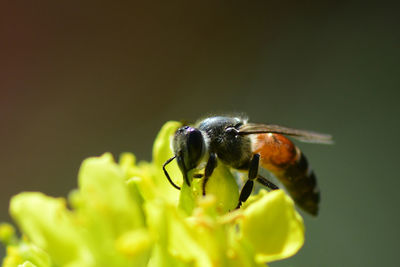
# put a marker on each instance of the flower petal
(134, 243)
(7, 234)
(272, 227)
(47, 222)
(223, 186)
(105, 196)
(161, 153)
(162, 145)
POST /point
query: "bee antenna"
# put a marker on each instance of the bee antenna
(167, 175)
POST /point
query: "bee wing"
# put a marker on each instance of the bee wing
(302, 135)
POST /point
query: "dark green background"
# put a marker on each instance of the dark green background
(77, 80)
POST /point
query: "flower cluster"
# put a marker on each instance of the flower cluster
(127, 214)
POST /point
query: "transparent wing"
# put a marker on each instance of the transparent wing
(302, 135)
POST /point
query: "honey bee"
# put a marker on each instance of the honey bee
(245, 146)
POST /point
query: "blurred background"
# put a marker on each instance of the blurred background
(79, 79)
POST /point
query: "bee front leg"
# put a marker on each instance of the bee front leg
(211, 164)
(248, 186)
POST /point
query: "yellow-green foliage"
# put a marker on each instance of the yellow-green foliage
(127, 214)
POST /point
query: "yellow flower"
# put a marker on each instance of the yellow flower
(127, 214)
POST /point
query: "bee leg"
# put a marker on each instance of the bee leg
(248, 186)
(245, 193)
(265, 182)
(211, 164)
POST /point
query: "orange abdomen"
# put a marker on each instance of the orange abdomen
(281, 157)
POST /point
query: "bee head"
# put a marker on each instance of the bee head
(189, 148)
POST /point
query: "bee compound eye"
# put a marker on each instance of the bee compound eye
(195, 145)
(195, 139)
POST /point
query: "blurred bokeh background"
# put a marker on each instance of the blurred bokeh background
(78, 79)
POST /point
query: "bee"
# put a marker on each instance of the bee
(248, 147)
